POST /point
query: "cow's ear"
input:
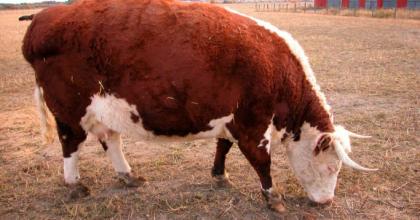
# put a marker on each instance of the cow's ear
(323, 143)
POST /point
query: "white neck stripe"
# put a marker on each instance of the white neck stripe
(297, 51)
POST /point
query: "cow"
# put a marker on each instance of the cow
(165, 70)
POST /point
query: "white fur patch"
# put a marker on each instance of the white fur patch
(277, 136)
(114, 152)
(268, 191)
(267, 136)
(46, 121)
(342, 135)
(71, 169)
(111, 113)
(297, 50)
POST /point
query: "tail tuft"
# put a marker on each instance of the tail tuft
(46, 120)
(26, 17)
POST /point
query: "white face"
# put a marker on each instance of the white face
(315, 166)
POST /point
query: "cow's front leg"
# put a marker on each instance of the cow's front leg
(112, 146)
(218, 171)
(71, 140)
(260, 160)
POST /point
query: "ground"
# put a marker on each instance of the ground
(369, 70)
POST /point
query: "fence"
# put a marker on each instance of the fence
(413, 4)
(374, 8)
(284, 6)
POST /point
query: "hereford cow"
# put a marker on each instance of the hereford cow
(166, 70)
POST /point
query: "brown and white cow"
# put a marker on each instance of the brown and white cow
(166, 70)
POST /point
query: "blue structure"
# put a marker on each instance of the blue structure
(371, 4)
(334, 3)
(354, 4)
(413, 4)
(389, 3)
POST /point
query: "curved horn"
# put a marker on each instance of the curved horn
(346, 159)
(351, 134)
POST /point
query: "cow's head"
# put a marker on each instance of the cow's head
(316, 160)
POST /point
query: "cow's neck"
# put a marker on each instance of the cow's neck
(299, 102)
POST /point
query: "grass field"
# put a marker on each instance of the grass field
(369, 69)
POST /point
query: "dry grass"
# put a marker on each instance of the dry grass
(369, 70)
(400, 13)
(384, 13)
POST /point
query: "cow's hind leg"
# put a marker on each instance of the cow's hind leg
(111, 142)
(71, 139)
(218, 171)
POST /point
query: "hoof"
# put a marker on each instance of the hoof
(274, 200)
(130, 181)
(277, 207)
(78, 191)
(222, 180)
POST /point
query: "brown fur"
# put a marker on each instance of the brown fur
(180, 64)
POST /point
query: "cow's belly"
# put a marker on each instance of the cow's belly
(108, 113)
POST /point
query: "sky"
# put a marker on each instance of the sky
(25, 1)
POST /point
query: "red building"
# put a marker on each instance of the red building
(320, 3)
(401, 3)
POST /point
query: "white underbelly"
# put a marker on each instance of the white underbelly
(110, 113)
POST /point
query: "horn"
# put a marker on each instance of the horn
(351, 134)
(339, 149)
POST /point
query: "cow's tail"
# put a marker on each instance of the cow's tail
(46, 120)
(26, 17)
